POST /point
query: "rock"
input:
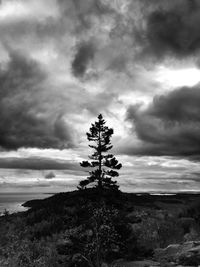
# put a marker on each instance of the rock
(186, 253)
(192, 235)
(167, 253)
(79, 260)
(189, 259)
(76, 257)
(189, 247)
(144, 263)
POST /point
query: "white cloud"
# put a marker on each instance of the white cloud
(173, 78)
(29, 9)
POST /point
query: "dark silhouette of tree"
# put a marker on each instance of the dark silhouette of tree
(105, 165)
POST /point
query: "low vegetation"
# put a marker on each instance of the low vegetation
(82, 228)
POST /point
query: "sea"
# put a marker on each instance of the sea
(12, 202)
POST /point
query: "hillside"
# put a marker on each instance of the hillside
(88, 228)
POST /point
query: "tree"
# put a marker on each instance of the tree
(98, 240)
(105, 165)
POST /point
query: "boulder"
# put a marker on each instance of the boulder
(192, 235)
(167, 253)
(144, 263)
(186, 253)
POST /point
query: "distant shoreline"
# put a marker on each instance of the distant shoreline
(22, 205)
(13, 201)
(137, 197)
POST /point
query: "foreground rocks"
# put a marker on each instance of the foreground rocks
(186, 254)
(174, 255)
(144, 263)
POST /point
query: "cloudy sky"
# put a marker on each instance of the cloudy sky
(62, 62)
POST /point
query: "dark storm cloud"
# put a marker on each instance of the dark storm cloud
(37, 163)
(84, 54)
(170, 125)
(173, 29)
(146, 29)
(26, 119)
(84, 11)
(50, 175)
(99, 31)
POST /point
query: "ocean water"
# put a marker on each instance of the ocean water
(13, 201)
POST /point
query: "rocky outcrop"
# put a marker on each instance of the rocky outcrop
(144, 263)
(174, 255)
(186, 254)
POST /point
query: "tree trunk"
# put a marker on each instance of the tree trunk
(100, 158)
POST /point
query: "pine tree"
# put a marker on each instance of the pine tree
(105, 165)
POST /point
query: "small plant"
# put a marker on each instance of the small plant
(6, 213)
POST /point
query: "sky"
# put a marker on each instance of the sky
(63, 62)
